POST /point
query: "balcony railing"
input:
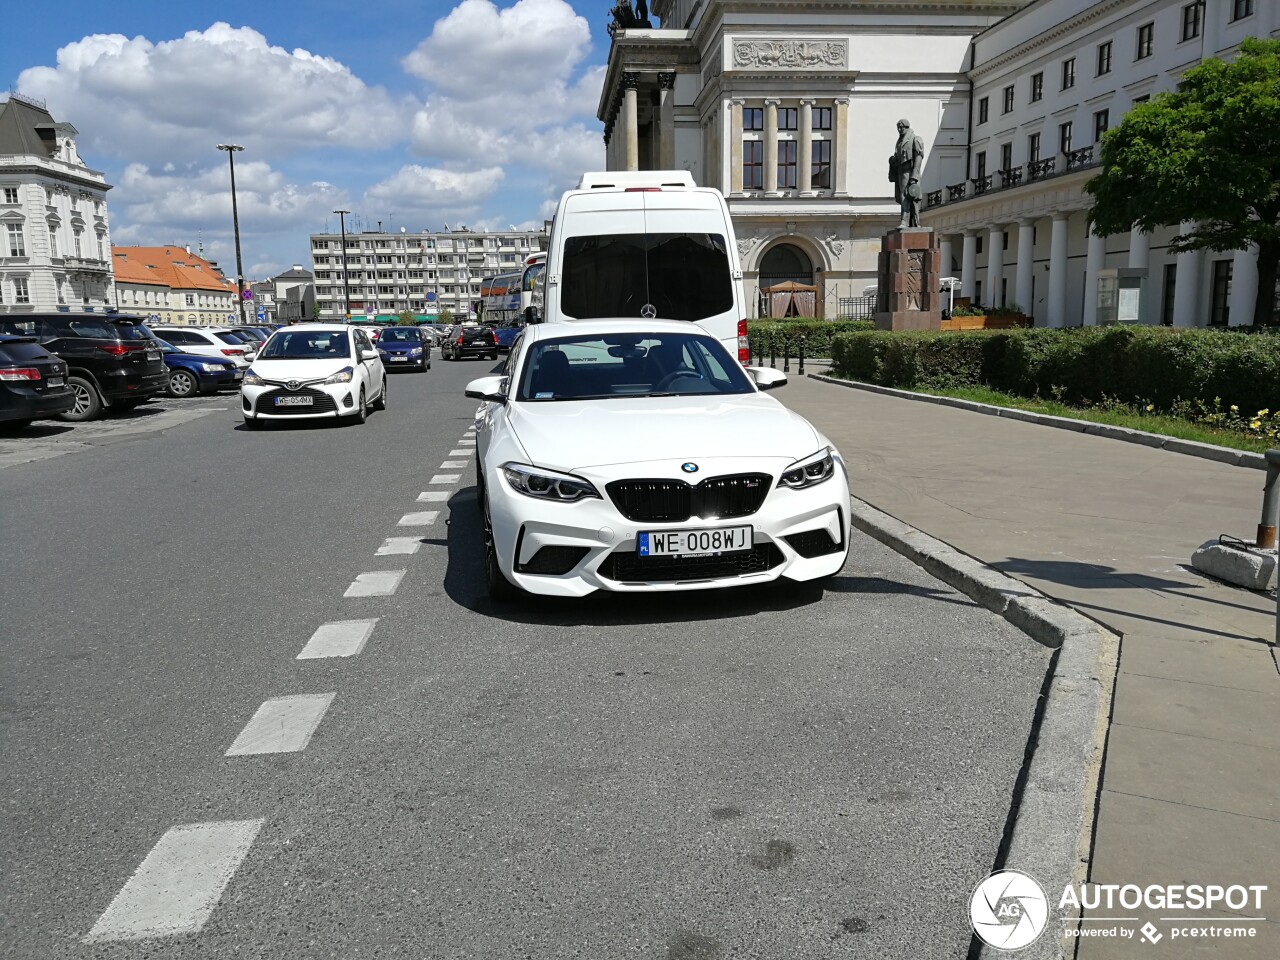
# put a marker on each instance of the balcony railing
(1010, 176)
(956, 191)
(1079, 158)
(87, 265)
(1040, 168)
(933, 198)
(1014, 176)
(980, 184)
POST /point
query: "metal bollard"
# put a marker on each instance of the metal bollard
(759, 354)
(1270, 502)
(800, 369)
(773, 354)
(786, 356)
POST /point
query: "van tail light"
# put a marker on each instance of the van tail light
(19, 373)
(232, 352)
(744, 347)
(120, 349)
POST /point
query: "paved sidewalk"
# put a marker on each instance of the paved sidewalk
(1190, 786)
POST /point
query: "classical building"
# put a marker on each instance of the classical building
(423, 273)
(791, 113)
(172, 285)
(54, 238)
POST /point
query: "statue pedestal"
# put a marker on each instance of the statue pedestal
(907, 291)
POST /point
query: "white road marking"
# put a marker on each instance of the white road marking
(381, 583)
(423, 519)
(177, 886)
(467, 442)
(345, 638)
(428, 496)
(460, 453)
(282, 725)
(453, 464)
(445, 478)
(398, 545)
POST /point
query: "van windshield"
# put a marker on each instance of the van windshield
(682, 276)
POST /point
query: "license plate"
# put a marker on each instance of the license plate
(56, 381)
(397, 359)
(237, 375)
(294, 401)
(692, 543)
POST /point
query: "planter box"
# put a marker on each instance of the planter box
(993, 321)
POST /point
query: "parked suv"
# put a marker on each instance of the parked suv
(469, 340)
(217, 342)
(33, 382)
(111, 361)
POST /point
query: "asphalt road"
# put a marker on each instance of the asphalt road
(789, 772)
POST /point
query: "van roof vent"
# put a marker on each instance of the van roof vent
(623, 179)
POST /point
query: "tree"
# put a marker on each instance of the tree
(406, 318)
(446, 316)
(1208, 152)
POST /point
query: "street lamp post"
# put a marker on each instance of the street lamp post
(346, 290)
(232, 149)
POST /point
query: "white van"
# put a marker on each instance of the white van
(646, 244)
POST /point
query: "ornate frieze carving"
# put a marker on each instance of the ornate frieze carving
(769, 54)
(834, 244)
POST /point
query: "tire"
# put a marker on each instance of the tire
(183, 383)
(362, 410)
(480, 492)
(88, 401)
(501, 590)
(381, 402)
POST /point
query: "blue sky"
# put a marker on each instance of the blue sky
(417, 114)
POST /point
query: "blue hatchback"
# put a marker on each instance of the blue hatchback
(408, 347)
(190, 374)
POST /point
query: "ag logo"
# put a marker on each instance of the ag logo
(1008, 910)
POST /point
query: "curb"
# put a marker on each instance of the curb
(1050, 832)
(1192, 448)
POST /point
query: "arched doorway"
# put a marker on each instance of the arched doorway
(784, 262)
(786, 282)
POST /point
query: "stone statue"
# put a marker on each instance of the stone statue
(624, 18)
(905, 167)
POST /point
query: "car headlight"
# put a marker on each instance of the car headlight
(415, 351)
(212, 367)
(547, 484)
(252, 379)
(812, 469)
(342, 376)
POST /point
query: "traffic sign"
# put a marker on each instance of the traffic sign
(262, 314)
(246, 294)
(431, 296)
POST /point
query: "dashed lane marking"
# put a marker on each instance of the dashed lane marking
(466, 442)
(177, 886)
(433, 496)
(461, 453)
(282, 725)
(445, 478)
(345, 638)
(422, 519)
(381, 583)
(398, 545)
(453, 464)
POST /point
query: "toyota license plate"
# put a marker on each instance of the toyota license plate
(294, 401)
(695, 543)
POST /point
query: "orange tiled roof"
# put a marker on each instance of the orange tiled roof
(168, 267)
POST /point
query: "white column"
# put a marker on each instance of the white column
(735, 148)
(630, 122)
(1094, 261)
(944, 248)
(804, 158)
(666, 121)
(995, 264)
(1244, 287)
(1057, 305)
(1186, 284)
(1026, 267)
(771, 148)
(969, 265)
(1139, 248)
(840, 148)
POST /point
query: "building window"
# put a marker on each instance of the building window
(982, 110)
(53, 243)
(17, 246)
(1100, 124)
(1170, 283)
(1006, 157)
(1064, 137)
(787, 165)
(752, 165)
(980, 165)
(1146, 38)
(1104, 58)
(11, 195)
(1190, 21)
(753, 118)
(1142, 99)
(20, 292)
(788, 118)
(76, 240)
(1068, 73)
(1037, 87)
(191, 299)
(822, 118)
(1008, 99)
(1241, 8)
(820, 175)
(1033, 148)
(1221, 300)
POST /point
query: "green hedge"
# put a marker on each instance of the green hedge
(1079, 365)
(775, 335)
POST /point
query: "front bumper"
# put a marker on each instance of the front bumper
(797, 534)
(400, 361)
(328, 400)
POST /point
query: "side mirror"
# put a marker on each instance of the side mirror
(367, 354)
(488, 389)
(767, 378)
(251, 355)
(532, 315)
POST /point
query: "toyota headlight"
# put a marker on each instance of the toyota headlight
(812, 469)
(547, 484)
(252, 379)
(342, 376)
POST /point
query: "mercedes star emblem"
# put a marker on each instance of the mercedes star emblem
(648, 311)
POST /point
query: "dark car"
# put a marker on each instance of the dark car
(190, 374)
(507, 334)
(405, 347)
(112, 362)
(33, 382)
(470, 340)
(251, 335)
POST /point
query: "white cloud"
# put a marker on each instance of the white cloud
(435, 193)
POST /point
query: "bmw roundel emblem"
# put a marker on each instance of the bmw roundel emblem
(689, 467)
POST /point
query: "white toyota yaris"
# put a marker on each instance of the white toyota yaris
(639, 456)
(314, 370)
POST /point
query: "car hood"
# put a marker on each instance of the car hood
(284, 370)
(196, 358)
(399, 347)
(574, 435)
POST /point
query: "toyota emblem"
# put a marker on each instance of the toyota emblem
(293, 384)
(689, 467)
(648, 311)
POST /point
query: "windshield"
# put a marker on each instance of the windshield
(400, 336)
(231, 338)
(306, 345)
(593, 367)
(683, 276)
